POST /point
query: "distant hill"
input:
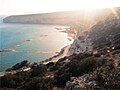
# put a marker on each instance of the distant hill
(66, 17)
(63, 18)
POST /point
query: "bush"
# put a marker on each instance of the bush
(18, 65)
(108, 78)
(50, 64)
(38, 83)
(74, 68)
(78, 68)
(62, 79)
(13, 81)
(39, 70)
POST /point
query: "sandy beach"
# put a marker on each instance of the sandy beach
(64, 51)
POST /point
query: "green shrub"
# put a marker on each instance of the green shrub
(38, 83)
(74, 68)
(39, 70)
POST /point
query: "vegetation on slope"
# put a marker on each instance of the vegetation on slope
(99, 69)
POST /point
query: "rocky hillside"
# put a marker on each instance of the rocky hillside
(98, 33)
(95, 68)
(105, 39)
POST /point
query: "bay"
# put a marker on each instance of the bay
(30, 42)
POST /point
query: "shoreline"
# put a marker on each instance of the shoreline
(55, 58)
(64, 51)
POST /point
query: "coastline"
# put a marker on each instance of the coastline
(33, 45)
(55, 58)
(82, 37)
(64, 51)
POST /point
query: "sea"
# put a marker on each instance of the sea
(32, 42)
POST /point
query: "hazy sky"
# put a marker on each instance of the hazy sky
(8, 7)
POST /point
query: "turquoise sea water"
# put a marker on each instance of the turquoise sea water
(30, 42)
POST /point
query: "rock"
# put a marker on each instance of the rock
(77, 87)
(78, 83)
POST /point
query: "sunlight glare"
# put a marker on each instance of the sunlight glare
(38, 6)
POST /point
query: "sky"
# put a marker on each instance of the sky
(15, 7)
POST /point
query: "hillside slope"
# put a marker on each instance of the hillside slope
(101, 30)
(97, 69)
(67, 17)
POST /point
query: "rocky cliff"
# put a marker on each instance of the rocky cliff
(101, 30)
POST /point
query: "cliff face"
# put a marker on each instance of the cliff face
(101, 32)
